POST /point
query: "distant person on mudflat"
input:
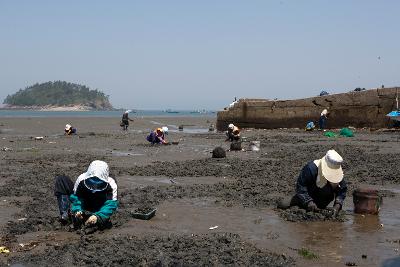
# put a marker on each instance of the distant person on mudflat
(158, 136)
(310, 126)
(320, 182)
(69, 130)
(322, 119)
(125, 120)
(233, 133)
(91, 200)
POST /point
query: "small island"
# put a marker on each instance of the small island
(58, 96)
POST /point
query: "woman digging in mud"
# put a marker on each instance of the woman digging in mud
(233, 133)
(93, 199)
(158, 136)
(69, 130)
(319, 182)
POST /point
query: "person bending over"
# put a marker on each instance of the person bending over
(320, 182)
(158, 136)
(233, 133)
(92, 199)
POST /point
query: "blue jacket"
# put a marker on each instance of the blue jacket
(307, 189)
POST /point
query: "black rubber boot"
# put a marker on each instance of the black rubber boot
(63, 206)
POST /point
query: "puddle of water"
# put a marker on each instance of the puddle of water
(124, 154)
(186, 129)
(335, 243)
(394, 262)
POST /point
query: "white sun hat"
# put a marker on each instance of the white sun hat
(67, 127)
(230, 126)
(165, 129)
(331, 167)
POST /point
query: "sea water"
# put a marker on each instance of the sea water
(111, 114)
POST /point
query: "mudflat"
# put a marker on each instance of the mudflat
(210, 211)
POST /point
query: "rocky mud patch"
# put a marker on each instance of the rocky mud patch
(296, 214)
(172, 250)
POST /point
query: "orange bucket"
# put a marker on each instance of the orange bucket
(366, 201)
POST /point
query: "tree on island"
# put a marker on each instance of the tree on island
(59, 93)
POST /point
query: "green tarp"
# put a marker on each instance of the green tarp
(346, 132)
(330, 134)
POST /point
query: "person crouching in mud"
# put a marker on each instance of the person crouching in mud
(319, 183)
(158, 136)
(91, 201)
(233, 133)
(69, 130)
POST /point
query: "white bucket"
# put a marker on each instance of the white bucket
(255, 145)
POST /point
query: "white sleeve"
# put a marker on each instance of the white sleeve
(114, 188)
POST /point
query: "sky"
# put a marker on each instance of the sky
(200, 54)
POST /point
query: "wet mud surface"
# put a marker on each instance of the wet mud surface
(173, 250)
(296, 214)
(242, 179)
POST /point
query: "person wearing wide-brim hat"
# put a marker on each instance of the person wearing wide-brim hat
(158, 136)
(233, 133)
(69, 130)
(320, 182)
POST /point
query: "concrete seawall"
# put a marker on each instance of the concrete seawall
(358, 109)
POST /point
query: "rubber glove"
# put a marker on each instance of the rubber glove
(78, 215)
(92, 220)
(336, 209)
(312, 207)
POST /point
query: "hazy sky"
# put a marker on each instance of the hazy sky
(200, 54)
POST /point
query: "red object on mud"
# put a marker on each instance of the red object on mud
(366, 201)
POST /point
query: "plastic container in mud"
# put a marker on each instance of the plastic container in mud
(144, 214)
(236, 146)
(366, 201)
(254, 145)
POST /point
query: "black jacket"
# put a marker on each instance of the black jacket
(307, 189)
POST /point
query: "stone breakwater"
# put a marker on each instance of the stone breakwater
(358, 109)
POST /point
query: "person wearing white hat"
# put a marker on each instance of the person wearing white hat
(91, 200)
(319, 183)
(158, 136)
(125, 120)
(322, 119)
(233, 133)
(69, 130)
(165, 130)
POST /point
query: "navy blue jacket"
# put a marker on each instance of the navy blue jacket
(307, 189)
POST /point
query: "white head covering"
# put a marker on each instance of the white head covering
(67, 127)
(165, 129)
(331, 167)
(98, 169)
(231, 126)
(324, 112)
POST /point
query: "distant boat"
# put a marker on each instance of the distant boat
(199, 111)
(171, 111)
